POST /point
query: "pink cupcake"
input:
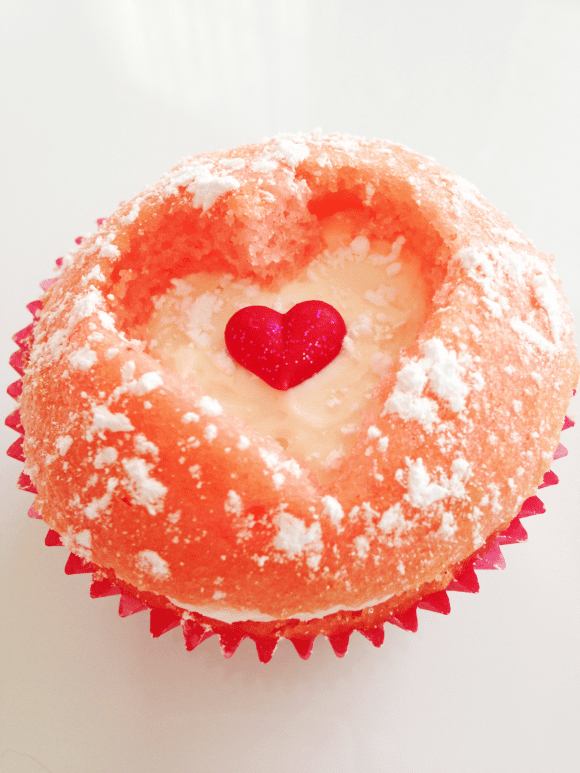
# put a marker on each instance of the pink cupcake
(296, 388)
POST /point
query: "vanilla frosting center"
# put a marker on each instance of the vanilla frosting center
(378, 289)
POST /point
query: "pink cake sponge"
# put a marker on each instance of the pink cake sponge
(468, 422)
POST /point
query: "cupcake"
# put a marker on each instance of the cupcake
(295, 388)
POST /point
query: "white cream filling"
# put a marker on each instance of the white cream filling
(378, 289)
(231, 615)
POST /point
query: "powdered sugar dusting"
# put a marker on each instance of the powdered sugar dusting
(106, 456)
(78, 542)
(441, 371)
(148, 382)
(293, 537)
(333, 509)
(423, 491)
(63, 443)
(151, 563)
(531, 335)
(547, 297)
(209, 406)
(243, 443)
(291, 151)
(145, 490)
(206, 185)
(233, 504)
(83, 358)
(392, 519)
(103, 419)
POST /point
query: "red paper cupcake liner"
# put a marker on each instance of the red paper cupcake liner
(162, 619)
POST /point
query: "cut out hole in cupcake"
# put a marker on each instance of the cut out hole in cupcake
(378, 289)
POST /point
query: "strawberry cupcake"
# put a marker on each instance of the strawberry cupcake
(295, 388)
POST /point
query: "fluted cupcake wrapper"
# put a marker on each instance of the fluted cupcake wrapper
(196, 631)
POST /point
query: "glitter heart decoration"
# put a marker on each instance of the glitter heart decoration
(285, 349)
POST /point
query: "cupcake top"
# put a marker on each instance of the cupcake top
(161, 459)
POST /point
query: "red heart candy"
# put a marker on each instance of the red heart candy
(285, 349)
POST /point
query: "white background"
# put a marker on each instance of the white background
(97, 100)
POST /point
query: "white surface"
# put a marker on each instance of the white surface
(100, 98)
